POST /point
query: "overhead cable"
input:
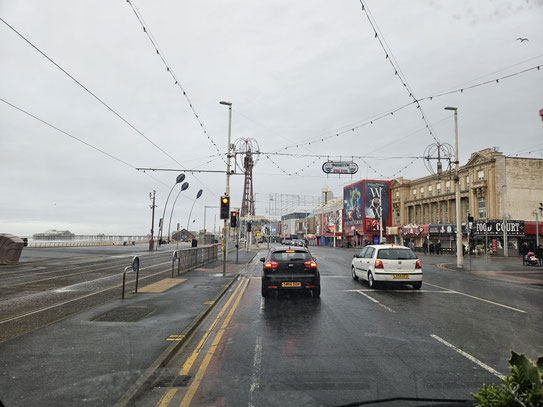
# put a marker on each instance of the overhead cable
(74, 137)
(100, 100)
(169, 70)
(427, 98)
(395, 66)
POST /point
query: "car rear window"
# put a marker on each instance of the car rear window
(396, 254)
(290, 255)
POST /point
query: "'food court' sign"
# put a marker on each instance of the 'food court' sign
(496, 228)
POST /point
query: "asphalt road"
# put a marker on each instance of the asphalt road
(354, 344)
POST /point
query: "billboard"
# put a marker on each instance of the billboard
(331, 222)
(353, 204)
(376, 204)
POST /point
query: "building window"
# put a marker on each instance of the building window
(422, 192)
(438, 187)
(481, 175)
(398, 194)
(448, 187)
(397, 217)
(415, 193)
(482, 207)
(467, 182)
(430, 190)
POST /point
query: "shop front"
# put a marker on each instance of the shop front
(490, 235)
(415, 236)
(442, 234)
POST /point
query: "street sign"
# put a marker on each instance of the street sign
(340, 167)
(135, 263)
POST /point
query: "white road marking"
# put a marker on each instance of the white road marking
(374, 300)
(261, 305)
(467, 355)
(257, 364)
(402, 291)
(478, 298)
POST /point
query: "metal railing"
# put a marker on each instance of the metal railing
(187, 259)
(42, 245)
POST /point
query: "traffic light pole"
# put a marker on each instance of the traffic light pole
(227, 191)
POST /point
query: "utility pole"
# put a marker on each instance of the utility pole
(227, 190)
(153, 206)
(459, 256)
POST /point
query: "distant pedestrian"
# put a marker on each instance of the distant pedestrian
(425, 247)
(540, 254)
(438, 247)
(410, 245)
(431, 247)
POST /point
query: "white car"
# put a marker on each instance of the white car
(385, 262)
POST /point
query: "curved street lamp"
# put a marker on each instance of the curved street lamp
(198, 195)
(180, 178)
(183, 187)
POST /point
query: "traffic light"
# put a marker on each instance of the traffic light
(249, 226)
(233, 219)
(225, 207)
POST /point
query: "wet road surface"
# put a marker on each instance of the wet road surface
(354, 344)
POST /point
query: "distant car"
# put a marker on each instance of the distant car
(387, 263)
(287, 268)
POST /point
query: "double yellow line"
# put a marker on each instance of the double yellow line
(191, 391)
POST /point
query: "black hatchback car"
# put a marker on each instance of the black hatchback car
(290, 268)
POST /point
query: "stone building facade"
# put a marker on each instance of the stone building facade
(491, 184)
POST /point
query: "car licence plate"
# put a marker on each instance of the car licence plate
(291, 284)
(400, 275)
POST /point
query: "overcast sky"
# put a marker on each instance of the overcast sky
(294, 71)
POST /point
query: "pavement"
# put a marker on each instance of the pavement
(101, 353)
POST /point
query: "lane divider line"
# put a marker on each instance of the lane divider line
(478, 298)
(190, 360)
(205, 363)
(255, 375)
(468, 356)
(375, 301)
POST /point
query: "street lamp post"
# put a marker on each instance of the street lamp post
(536, 213)
(153, 206)
(198, 195)
(183, 188)
(227, 190)
(459, 254)
(180, 178)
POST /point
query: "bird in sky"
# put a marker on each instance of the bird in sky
(522, 39)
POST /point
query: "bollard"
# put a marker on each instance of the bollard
(174, 258)
(135, 266)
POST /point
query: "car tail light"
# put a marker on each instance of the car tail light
(310, 264)
(418, 264)
(270, 265)
(379, 264)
